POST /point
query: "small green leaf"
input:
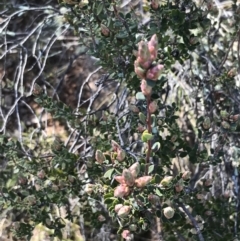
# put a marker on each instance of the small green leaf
(154, 130)
(109, 173)
(122, 35)
(142, 117)
(150, 169)
(99, 8)
(146, 136)
(151, 83)
(24, 193)
(158, 193)
(141, 198)
(156, 146)
(177, 16)
(157, 179)
(153, 120)
(16, 170)
(140, 96)
(11, 183)
(108, 195)
(109, 200)
(200, 120)
(142, 167)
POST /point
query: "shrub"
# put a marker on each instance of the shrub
(119, 168)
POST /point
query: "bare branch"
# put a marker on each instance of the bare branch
(194, 222)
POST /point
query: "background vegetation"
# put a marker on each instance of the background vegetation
(73, 120)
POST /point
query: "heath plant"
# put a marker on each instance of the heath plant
(176, 101)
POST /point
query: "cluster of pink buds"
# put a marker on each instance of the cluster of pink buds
(120, 153)
(129, 179)
(144, 65)
(117, 154)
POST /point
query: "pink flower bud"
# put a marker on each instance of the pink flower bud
(166, 181)
(121, 191)
(154, 40)
(117, 207)
(234, 118)
(126, 235)
(143, 51)
(226, 194)
(154, 72)
(145, 64)
(141, 128)
(186, 175)
(154, 4)
(120, 179)
(41, 174)
(128, 177)
(153, 47)
(208, 182)
(193, 40)
(22, 180)
(142, 181)
(104, 30)
(153, 199)
(225, 125)
(146, 90)
(200, 196)
(37, 90)
(208, 213)
(124, 211)
(115, 145)
(121, 154)
(168, 212)
(232, 72)
(100, 158)
(179, 186)
(153, 107)
(134, 108)
(135, 53)
(101, 218)
(139, 71)
(71, 178)
(135, 169)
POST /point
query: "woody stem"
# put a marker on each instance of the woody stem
(149, 128)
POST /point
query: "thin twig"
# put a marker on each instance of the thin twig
(149, 128)
(194, 222)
